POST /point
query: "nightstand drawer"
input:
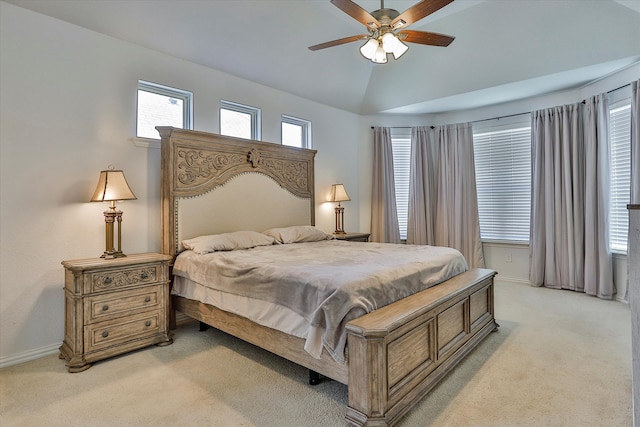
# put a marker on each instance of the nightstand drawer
(109, 306)
(105, 334)
(124, 277)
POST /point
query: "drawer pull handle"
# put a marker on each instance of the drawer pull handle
(144, 276)
(105, 334)
(147, 299)
(105, 307)
(147, 323)
(108, 280)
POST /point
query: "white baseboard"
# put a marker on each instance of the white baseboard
(504, 279)
(37, 353)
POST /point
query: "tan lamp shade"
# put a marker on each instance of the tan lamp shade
(112, 185)
(338, 194)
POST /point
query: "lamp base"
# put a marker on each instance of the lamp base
(112, 254)
(112, 216)
(339, 220)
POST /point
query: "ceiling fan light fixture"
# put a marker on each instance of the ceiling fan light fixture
(383, 25)
(368, 50)
(399, 50)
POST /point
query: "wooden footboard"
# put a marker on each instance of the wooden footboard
(396, 353)
(401, 351)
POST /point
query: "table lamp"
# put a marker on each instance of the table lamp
(112, 186)
(339, 194)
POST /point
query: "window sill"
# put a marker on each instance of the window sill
(505, 242)
(145, 142)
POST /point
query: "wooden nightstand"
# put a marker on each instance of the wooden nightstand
(114, 306)
(353, 237)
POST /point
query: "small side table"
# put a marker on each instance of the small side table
(353, 237)
(114, 306)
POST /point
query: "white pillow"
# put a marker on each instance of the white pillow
(297, 234)
(227, 241)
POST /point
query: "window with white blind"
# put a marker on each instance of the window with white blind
(620, 138)
(503, 181)
(401, 146)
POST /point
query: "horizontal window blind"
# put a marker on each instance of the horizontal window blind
(503, 180)
(620, 137)
(401, 145)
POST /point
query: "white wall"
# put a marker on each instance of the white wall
(67, 109)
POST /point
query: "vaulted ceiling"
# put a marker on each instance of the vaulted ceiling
(503, 49)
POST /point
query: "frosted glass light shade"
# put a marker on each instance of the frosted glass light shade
(399, 49)
(389, 42)
(368, 49)
(380, 56)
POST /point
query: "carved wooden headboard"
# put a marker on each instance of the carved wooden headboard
(214, 184)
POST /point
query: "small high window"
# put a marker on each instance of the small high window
(241, 121)
(296, 132)
(160, 105)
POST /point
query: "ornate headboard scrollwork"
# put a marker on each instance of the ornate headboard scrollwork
(195, 163)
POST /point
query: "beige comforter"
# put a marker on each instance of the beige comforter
(329, 282)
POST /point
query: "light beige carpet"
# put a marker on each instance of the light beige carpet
(559, 359)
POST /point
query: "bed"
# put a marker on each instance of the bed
(393, 355)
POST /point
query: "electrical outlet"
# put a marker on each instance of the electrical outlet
(507, 258)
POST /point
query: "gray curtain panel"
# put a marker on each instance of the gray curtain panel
(384, 214)
(569, 243)
(443, 202)
(635, 162)
(635, 142)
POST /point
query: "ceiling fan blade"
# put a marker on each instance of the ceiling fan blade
(338, 42)
(356, 12)
(424, 37)
(418, 11)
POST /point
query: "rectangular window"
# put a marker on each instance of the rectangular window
(620, 138)
(503, 181)
(401, 147)
(296, 132)
(160, 105)
(241, 121)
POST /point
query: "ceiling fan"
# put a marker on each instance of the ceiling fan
(387, 29)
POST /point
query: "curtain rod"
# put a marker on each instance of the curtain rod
(400, 127)
(528, 112)
(501, 117)
(584, 101)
